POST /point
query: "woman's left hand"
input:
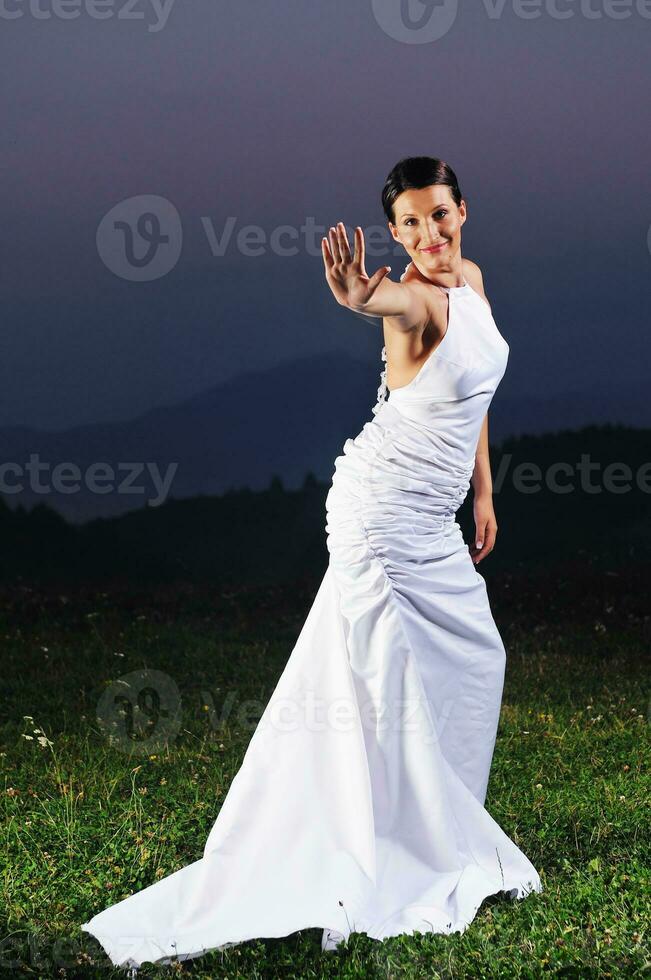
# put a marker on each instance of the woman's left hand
(485, 528)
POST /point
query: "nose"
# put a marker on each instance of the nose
(431, 235)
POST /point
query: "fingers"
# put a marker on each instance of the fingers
(334, 245)
(484, 543)
(336, 251)
(339, 246)
(481, 532)
(342, 238)
(360, 250)
(327, 257)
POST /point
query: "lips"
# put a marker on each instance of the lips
(434, 248)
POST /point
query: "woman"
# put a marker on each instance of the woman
(359, 803)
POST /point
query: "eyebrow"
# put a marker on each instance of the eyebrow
(408, 214)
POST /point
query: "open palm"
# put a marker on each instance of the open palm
(345, 273)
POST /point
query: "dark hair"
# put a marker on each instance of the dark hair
(418, 172)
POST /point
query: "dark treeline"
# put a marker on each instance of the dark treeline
(276, 534)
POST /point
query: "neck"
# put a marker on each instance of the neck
(450, 277)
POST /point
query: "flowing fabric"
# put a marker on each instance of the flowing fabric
(359, 804)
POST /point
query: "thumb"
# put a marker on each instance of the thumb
(377, 277)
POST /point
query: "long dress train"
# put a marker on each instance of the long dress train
(359, 804)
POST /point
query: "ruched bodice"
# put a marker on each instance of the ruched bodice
(418, 451)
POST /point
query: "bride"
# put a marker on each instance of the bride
(359, 804)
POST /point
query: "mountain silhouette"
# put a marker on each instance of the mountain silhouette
(285, 421)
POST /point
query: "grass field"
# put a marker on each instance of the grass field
(85, 823)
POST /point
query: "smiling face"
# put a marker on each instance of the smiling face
(428, 226)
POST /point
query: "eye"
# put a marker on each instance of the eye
(441, 213)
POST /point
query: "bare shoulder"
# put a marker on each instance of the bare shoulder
(417, 306)
(473, 275)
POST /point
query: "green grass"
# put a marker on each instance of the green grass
(84, 824)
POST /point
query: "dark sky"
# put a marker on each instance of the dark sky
(275, 114)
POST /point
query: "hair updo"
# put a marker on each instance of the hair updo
(418, 172)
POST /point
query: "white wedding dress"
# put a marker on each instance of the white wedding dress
(358, 806)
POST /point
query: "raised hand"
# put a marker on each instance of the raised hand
(345, 273)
